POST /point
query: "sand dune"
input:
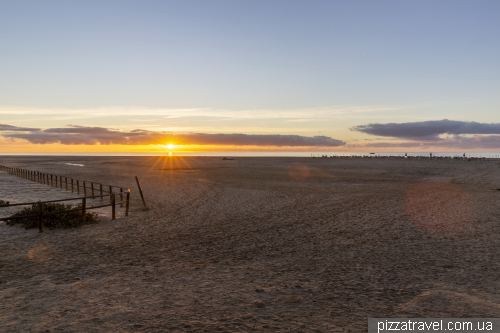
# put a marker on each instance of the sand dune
(260, 245)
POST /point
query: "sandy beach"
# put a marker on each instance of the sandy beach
(258, 245)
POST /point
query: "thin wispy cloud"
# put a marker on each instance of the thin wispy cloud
(4, 127)
(336, 111)
(79, 135)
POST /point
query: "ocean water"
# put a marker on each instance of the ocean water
(268, 154)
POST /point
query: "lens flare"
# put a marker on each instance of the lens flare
(298, 171)
(38, 253)
(439, 207)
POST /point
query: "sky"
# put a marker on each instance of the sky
(227, 75)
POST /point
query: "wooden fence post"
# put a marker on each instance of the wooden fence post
(78, 186)
(84, 189)
(140, 191)
(113, 207)
(56, 181)
(110, 191)
(72, 186)
(40, 216)
(92, 188)
(51, 181)
(100, 188)
(128, 203)
(121, 197)
(84, 206)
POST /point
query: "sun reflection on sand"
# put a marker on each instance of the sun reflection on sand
(439, 207)
(165, 163)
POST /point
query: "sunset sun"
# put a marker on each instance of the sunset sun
(170, 146)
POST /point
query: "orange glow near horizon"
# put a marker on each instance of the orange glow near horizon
(18, 147)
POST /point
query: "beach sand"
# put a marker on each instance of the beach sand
(259, 245)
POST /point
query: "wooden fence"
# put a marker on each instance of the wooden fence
(67, 184)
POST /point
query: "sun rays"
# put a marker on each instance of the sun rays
(168, 163)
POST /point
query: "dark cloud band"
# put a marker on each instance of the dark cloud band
(428, 130)
(78, 135)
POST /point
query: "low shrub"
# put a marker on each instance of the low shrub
(60, 220)
(3, 203)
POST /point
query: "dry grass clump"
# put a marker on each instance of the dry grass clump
(64, 219)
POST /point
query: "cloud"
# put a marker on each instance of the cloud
(79, 135)
(326, 112)
(5, 127)
(428, 130)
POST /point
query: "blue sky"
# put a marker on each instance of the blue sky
(253, 67)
